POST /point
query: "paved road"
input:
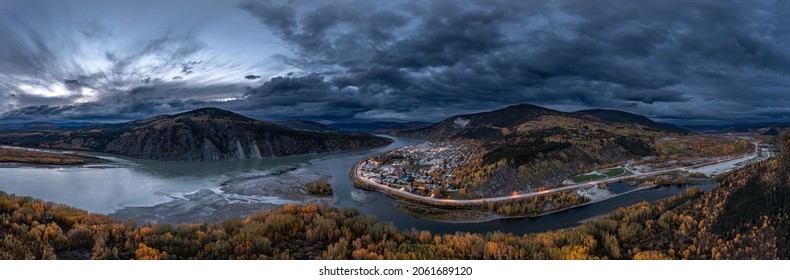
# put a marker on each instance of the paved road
(431, 200)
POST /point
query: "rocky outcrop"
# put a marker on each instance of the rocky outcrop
(205, 134)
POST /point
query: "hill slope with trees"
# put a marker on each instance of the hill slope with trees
(525, 147)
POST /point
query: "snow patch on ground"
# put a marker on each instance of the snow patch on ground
(595, 194)
(722, 167)
(461, 122)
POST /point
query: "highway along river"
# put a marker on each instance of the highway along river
(133, 183)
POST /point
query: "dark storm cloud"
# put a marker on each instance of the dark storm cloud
(24, 49)
(651, 96)
(186, 68)
(73, 84)
(78, 60)
(136, 103)
(141, 89)
(417, 60)
(102, 112)
(463, 56)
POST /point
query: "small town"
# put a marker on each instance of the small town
(426, 169)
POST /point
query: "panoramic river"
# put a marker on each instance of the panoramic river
(107, 188)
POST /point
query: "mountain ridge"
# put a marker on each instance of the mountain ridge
(515, 115)
(306, 125)
(616, 116)
(203, 134)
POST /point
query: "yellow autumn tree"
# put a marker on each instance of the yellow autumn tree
(144, 252)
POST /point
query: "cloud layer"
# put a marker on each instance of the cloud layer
(680, 61)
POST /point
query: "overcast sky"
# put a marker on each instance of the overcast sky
(337, 61)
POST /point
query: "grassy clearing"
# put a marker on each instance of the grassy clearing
(616, 172)
(587, 178)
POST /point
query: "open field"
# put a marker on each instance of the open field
(587, 178)
(617, 171)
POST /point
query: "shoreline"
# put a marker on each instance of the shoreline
(636, 189)
(11, 156)
(494, 217)
(449, 205)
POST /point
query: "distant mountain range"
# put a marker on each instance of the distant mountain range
(204, 134)
(380, 127)
(366, 127)
(620, 117)
(770, 129)
(306, 125)
(41, 125)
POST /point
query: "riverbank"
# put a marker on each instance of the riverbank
(234, 199)
(599, 198)
(481, 204)
(12, 156)
(467, 216)
(481, 210)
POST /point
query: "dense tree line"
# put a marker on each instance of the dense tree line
(535, 206)
(699, 146)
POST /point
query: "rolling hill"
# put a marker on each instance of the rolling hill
(773, 129)
(620, 117)
(491, 124)
(305, 125)
(203, 134)
(524, 146)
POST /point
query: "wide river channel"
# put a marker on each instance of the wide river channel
(133, 182)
